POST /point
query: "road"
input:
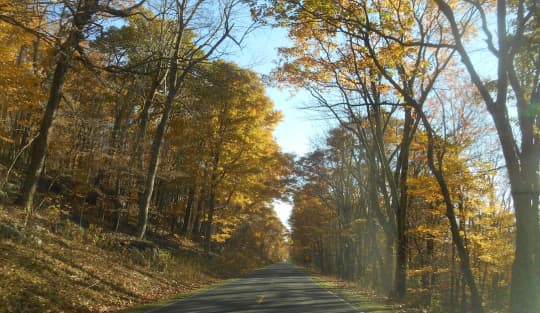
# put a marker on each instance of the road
(279, 288)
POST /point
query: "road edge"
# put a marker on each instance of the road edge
(346, 294)
(153, 306)
(317, 280)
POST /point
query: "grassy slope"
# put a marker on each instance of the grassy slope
(363, 300)
(53, 268)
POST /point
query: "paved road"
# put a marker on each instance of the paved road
(279, 288)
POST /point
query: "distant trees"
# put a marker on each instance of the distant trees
(324, 234)
(260, 239)
(229, 125)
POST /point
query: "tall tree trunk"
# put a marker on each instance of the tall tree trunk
(525, 183)
(400, 277)
(81, 18)
(118, 204)
(138, 147)
(523, 166)
(189, 207)
(155, 152)
(524, 295)
(173, 80)
(196, 225)
(212, 200)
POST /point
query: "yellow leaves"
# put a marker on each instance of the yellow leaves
(426, 270)
(221, 238)
(20, 80)
(6, 139)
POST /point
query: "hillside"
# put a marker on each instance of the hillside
(54, 265)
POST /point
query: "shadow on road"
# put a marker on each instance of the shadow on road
(280, 288)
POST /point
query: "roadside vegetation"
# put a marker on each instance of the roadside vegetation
(358, 297)
(58, 266)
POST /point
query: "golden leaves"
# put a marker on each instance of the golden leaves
(6, 139)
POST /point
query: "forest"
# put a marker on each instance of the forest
(427, 187)
(123, 117)
(124, 126)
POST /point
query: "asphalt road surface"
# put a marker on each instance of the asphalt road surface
(279, 288)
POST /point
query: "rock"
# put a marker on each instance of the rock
(37, 241)
(146, 248)
(8, 231)
(137, 256)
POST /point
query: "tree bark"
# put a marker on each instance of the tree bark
(81, 18)
(523, 166)
(173, 81)
(212, 200)
(138, 147)
(196, 225)
(400, 277)
(155, 152)
(189, 208)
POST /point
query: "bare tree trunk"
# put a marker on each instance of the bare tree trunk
(196, 225)
(174, 79)
(400, 277)
(525, 188)
(155, 152)
(189, 209)
(211, 202)
(138, 147)
(173, 87)
(522, 164)
(39, 148)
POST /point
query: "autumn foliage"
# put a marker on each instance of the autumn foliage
(426, 188)
(122, 117)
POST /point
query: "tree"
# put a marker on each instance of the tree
(399, 48)
(83, 13)
(20, 90)
(515, 48)
(180, 62)
(229, 127)
(258, 240)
